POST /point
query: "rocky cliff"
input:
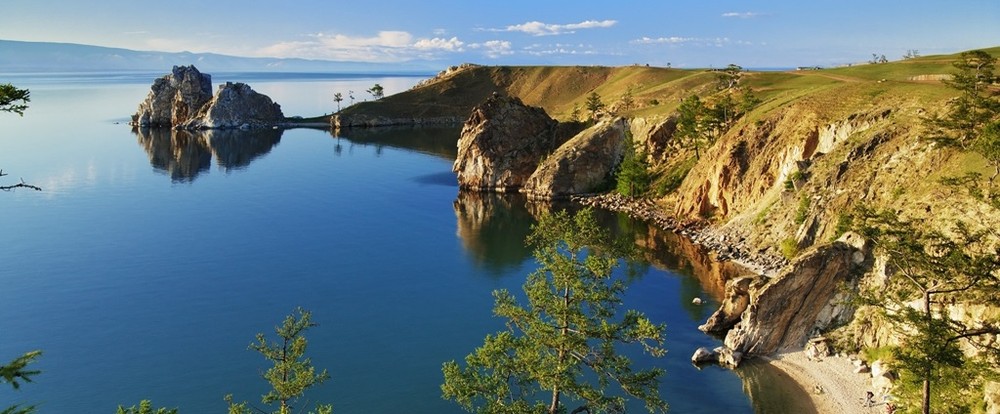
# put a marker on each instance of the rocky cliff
(183, 100)
(581, 165)
(175, 98)
(236, 105)
(501, 145)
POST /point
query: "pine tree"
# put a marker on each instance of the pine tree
(292, 374)
(16, 372)
(565, 335)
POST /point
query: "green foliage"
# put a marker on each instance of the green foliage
(789, 248)
(761, 215)
(690, 131)
(654, 102)
(145, 407)
(975, 107)
(13, 99)
(594, 104)
(802, 212)
(729, 77)
(564, 339)
(16, 372)
(987, 144)
(338, 98)
(632, 177)
(845, 222)
(672, 178)
(377, 91)
(292, 374)
(627, 102)
(930, 269)
(575, 115)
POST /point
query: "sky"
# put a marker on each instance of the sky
(753, 34)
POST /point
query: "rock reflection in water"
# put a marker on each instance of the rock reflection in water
(771, 391)
(493, 227)
(186, 154)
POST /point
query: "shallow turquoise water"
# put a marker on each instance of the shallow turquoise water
(143, 270)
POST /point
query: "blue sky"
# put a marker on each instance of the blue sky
(682, 33)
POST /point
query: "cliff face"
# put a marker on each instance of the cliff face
(581, 165)
(501, 145)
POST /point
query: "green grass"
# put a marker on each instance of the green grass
(802, 212)
(789, 248)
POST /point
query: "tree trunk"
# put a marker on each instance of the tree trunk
(926, 406)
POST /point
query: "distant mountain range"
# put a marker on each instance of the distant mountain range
(19, 57)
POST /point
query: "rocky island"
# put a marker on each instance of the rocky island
(183, 99)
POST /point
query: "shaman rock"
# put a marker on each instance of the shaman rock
(236, 105)
(175, 98)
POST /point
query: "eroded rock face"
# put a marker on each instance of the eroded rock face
(174, 98)
(782, 312)
(501, 145)
(581, 165)
(736, 300)
(236, 105)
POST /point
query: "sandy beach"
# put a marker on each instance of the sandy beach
(830, 382)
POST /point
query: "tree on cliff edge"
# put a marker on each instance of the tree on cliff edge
(927, 275)
(564, 343)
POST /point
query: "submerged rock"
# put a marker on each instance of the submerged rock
(703, 355)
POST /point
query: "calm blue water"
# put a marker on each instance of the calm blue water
(144, 268)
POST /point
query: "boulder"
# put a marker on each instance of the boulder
(703, 355)
(581, 165)
(174, 98)
(728, 357)
(236, 105)
(501, 144)
(735, 302)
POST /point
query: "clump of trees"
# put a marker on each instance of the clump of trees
(701, 121)
(377, 91)
(562, 344)
(632, 177)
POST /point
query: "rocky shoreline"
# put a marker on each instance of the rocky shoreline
(724, 247)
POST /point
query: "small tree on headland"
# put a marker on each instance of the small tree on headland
(976, 104)
(729, 77)
(377, 91)
(564, 343)
(292, 373)
(594, 104)
(338, 98)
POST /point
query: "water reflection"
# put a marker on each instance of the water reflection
(771, 391)
(492, 228)
(440, 141)
(186, 154)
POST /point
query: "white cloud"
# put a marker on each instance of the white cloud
(742, 15)
(673, 40)
(494, 48)
(385, 46)
(536, 28)
(437, 43)
(693, 41)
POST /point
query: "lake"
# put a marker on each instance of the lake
(149, 262)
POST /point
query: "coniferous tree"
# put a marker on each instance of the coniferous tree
(562, 344)
(594, 104)
(933, 271)
(976, 105)
(13, 99)
(16, 372)
(633, 172)
(292, 373)
(690, 129)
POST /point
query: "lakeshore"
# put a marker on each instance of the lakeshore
(830, 383)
